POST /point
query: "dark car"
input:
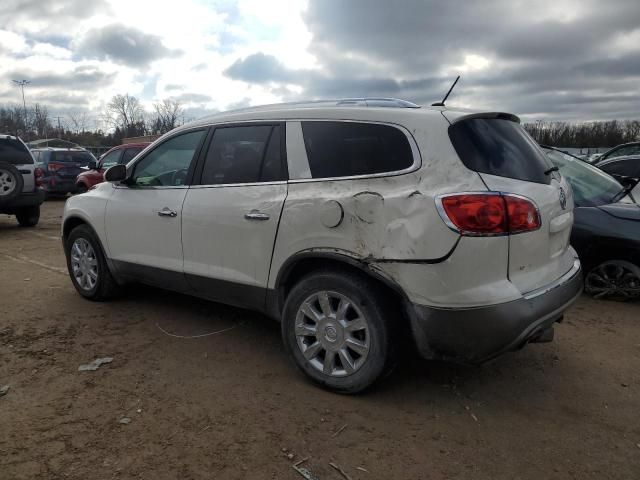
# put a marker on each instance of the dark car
(121, 154)
(626, 169)
(61, 166)
(20, 180)
(623, 150)
(606, 229)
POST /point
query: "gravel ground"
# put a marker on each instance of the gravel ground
(230, 405)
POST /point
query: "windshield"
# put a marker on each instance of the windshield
(591, 186)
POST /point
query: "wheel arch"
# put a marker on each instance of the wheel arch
(305, 262)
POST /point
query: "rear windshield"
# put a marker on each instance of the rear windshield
(499, 147)
(71, 157)
(14, 152)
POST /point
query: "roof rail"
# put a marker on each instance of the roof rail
(376, 102)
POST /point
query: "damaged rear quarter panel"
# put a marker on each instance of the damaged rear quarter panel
(383, 218)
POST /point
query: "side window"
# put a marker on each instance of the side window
(168, 163)
(245, 154)
(345, 149)
(111, 158)
(622, 167)
(128, 155)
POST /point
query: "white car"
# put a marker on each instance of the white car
(354, 223)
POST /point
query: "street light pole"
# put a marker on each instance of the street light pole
(22, 83)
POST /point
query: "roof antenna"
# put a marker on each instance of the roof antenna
(441, 104)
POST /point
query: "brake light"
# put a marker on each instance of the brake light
(486, 214)
(53, 167)
(39, 173)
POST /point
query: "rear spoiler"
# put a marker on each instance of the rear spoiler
(488, 115)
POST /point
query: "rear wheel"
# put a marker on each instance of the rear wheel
(87, 265)
(81, 188)
(614, 280)
(28, 216)
(335, 327)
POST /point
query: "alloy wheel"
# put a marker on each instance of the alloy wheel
(84, 264)
(332, 333)
(614, 279)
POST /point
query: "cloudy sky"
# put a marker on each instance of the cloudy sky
(555, 59)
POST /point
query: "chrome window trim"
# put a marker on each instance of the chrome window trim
(443, 214)
(250, 184)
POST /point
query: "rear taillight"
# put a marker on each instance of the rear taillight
(39, 173)
(486, 214)
(54, 167)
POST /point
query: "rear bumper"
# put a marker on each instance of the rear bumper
(476, 335)
(32, 199)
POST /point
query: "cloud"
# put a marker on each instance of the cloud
(39, 16)
(192, 98)
(125, 45)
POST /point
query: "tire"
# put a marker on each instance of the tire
(11, 183)
(81, 188)
(86, 258)
(341, 372)
(28, 216)
(617, 280)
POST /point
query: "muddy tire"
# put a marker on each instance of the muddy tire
(336, 327)
(11, 183)
(87, 265)
(28, 216)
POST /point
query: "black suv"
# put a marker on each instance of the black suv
(20, 194)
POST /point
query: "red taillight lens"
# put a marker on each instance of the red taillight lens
(53, 167)
(523, 214)
(490, 214)
(39, 173)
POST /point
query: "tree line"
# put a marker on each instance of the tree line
(588, 134)
(124, 116)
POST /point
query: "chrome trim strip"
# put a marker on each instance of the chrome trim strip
(575, 270)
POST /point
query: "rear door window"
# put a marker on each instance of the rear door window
(244, 154)
(14, 152)
(626, 168)
(499, 147)
(346, 149)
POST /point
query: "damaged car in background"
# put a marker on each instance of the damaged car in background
(606, 230)
(354, 223)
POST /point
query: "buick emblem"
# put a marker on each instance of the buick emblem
(563, 199)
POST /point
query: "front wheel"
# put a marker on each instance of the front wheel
(28, 216)
(614, 280)
(335, 327)
(87, 265)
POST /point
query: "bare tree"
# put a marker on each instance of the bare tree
(125, 113)
(167, 113)
(79, 121)
(40, 120)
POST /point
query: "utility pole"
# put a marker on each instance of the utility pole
(22, 83)
(59, 127)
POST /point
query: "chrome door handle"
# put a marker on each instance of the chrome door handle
(256, 215)
(166, 212)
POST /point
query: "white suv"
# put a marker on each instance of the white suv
(354, 223)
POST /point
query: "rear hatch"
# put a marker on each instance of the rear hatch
(508, 160)
(16, 153)
(68, 164)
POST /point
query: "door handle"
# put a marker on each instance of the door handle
(167, 212)
(256, 215)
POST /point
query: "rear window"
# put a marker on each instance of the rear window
(71, 157)
(346, 149)
(499, 147)
(14, 152)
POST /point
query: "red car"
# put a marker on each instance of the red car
(120, 154)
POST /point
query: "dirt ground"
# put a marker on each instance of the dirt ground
(230, 405)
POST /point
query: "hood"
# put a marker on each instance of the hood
(628, 211)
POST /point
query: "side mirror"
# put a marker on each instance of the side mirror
(93, 165)
(117, 173)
